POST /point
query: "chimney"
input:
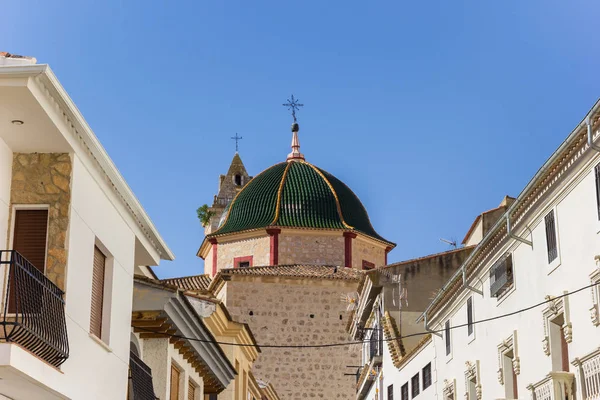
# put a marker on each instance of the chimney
(8, 59)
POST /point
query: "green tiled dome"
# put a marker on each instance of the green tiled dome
(296, 194)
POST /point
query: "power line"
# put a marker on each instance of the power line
(325, 345)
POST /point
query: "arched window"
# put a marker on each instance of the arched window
(237, 179)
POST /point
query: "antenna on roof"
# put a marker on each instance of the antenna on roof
(450, 242)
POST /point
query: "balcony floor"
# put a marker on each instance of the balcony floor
(23, 376)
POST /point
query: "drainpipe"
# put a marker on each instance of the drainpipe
(590, 135)
(512, 235)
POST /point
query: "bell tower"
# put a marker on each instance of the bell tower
(229, 186)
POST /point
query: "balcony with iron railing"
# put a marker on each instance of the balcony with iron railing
(555, 386)
(33, 310)
(141, 379)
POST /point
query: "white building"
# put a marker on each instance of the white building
(520, 317)
(74, 235)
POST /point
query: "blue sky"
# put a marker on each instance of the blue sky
(430, 111)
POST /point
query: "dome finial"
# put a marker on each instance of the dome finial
(293, 105)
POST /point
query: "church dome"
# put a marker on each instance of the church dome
(300, 195)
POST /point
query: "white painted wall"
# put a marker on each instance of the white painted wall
(578, 242)
(6, 157)
(399, 377)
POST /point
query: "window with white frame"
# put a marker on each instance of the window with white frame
(415, 389)
(551, 237)
(447, 338)
(509, 366)
(449, 389)
(558, 331)
(470, 326)
(472, 383)
(426, 374)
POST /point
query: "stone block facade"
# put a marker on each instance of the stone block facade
(313, 249)
(285, 311)
(363, 250)
(45, 179)
(259, 248)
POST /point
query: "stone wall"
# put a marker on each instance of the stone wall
(363, 250)
(45, 178)
(281, 311)
(259, 248)
(314, 249)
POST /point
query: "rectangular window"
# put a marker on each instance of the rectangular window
(414, 386)
(551, 236)
(366, 265)
(390, 392)
(404, 392)
(447, 337)
(501, 276)
(191, 391)
(174, 393)
(29, 236)
(470, 316)
(426, 376)
(242, 262)
(97, 308)
(597, 173)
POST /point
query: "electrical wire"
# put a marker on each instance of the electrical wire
(325, 345)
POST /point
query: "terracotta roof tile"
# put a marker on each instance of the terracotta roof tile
(195, 282)
(299, 271)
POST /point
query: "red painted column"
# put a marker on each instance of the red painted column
(274, 252)
(348, 236)
(213, 241)
(387, 250)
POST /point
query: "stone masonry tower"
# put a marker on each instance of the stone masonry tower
(229, 185)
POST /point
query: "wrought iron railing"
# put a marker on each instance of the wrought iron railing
(141, 379)
(33, 311)
(501, 276)
(375, 343)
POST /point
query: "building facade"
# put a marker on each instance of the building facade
(519, 317)
(73, 236)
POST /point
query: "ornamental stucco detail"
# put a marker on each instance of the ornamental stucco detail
(595, 280)
(554, 307)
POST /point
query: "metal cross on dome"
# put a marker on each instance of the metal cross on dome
(294, 106)
(237, 139)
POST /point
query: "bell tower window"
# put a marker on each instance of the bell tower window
(237, 179)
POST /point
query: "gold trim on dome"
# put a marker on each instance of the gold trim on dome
(278, 206)
(337, 201)
(235, 198)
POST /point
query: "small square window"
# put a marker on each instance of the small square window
(242, 262)
(367, 265)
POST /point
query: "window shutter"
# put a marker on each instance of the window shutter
(29, 237)
(469, 316)
(551, 236)
(191, 391)
(174, 394)
(97, 292)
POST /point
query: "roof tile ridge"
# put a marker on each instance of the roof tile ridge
(279, 191)
(235, 198)
(337, 200)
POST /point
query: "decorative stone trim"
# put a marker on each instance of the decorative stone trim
(472, 374)
(595, 279)
(449, 389)
(510, 343)
(555, 307)
(392, 335)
